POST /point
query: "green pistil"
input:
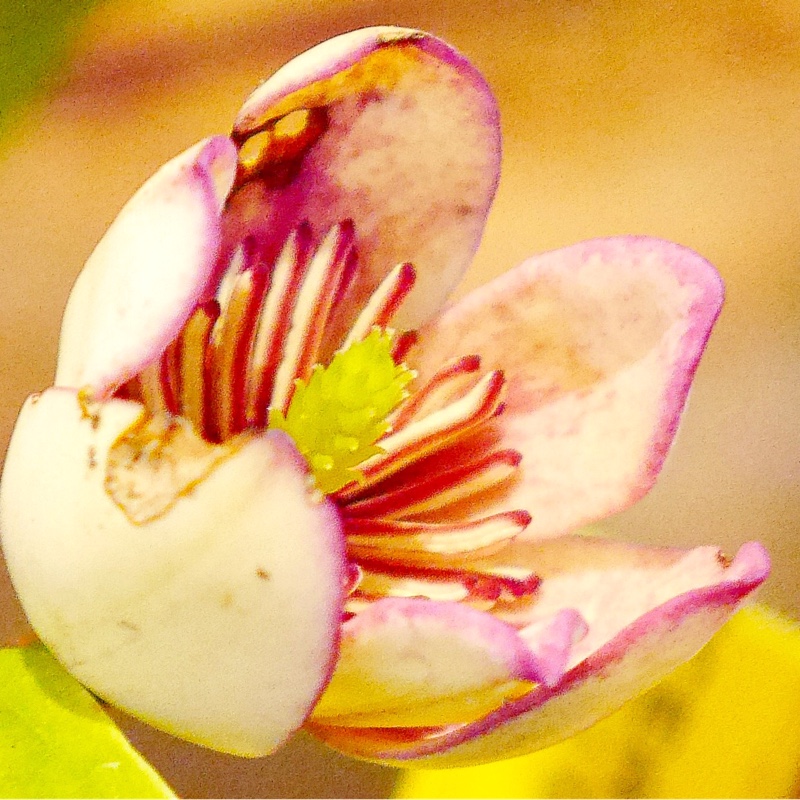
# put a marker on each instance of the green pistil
(336, 418)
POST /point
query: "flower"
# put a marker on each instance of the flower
(274, 485)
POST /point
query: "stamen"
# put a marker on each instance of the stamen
(432, 492)
(150, 387)
(228, 279)
(191, 346)
(443, 587)
(274, 319)
(442, 388)
(171, 377)
(460, 584)
(481, 586)
(402, 344)
(326, 275)
(227, 353)
(383, 304)
(426, 544)
(431, 433)
(517, 582)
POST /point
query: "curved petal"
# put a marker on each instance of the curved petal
(419, 662)
(630, 655)
(393, 130)
(599, 343)
(145, 276)
(217, 619)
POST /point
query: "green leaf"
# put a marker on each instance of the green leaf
(55, 741)
(34, 39)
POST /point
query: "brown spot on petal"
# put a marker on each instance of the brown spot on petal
(723, 560)
(89, 407)
(157, 461)
(274, 152)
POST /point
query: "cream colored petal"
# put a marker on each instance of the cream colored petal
(148, 271)
(218, 619)
(410, 662)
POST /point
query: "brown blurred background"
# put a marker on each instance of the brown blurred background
(678, 120)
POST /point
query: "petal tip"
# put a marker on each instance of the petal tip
(147, 272)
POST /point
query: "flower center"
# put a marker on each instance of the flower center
(412, 472)
(336, 417)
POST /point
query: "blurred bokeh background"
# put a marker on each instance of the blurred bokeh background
(679, 120)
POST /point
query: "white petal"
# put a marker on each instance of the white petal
(218, 620)
(144, 278)
(407, 661)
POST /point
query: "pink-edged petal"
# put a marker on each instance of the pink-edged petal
(698, 592)
(404, 140)
(148, 271)
(420, 662)
(217, 618)
(554, 639)
(599, 343)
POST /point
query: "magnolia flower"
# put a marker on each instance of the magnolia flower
(275, 485)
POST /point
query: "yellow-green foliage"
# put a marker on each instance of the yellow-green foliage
(336, 418)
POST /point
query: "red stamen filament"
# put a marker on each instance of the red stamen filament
(438, 491)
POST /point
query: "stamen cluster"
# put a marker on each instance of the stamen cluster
(407, 469)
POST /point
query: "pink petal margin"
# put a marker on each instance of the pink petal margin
(409, 151)
(599, 343)
(635, 659)
(147, 273)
